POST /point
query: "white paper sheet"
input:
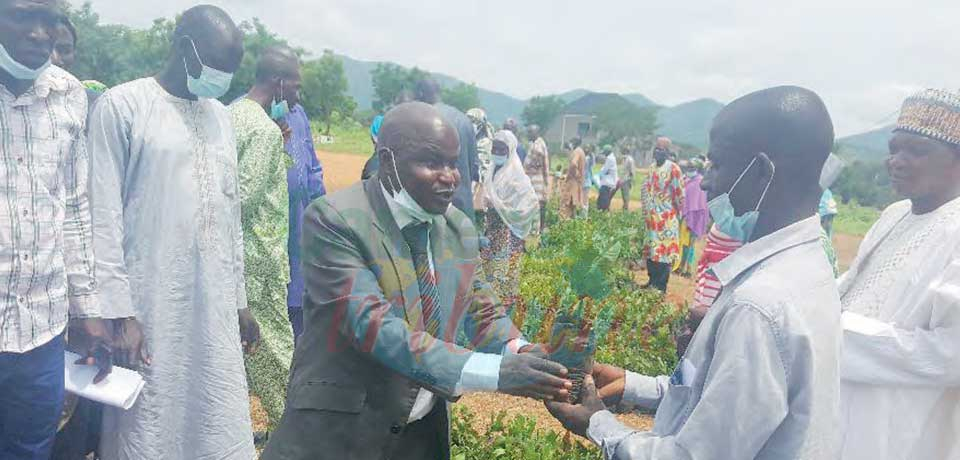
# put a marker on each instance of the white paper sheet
(120, 389)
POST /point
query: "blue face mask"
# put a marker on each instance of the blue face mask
(212, 83)
(724, 216)
(499, 160)
(18, 70)
(279, 110)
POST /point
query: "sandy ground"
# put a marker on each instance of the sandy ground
(342, 170)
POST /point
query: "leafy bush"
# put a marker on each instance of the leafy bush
(640, 336)
(515, 439)
(865, 182)
(585, 264)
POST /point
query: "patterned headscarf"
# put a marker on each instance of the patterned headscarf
(511, 193)
(480, 124)
(932, 113)
(664, 143)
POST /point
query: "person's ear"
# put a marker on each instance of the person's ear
(767, 168)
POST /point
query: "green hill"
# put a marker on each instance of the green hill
(868, 146)
(499, 106)
(640, 100)
(573, 95)
(689, 123)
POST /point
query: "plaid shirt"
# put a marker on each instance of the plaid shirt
(46, 251)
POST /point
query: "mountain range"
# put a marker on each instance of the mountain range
(868, 146)
(687, 123)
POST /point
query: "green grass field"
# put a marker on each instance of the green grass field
(350, 138)
(855, 219)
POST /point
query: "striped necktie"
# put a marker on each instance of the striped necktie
(417, 238)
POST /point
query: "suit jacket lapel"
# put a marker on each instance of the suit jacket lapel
(396, 249)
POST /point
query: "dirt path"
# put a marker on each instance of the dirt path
(340, 170)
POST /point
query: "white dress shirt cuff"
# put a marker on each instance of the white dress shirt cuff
(84, 306)
(514, 346)
(480, 373)
(606, 431)
(640, 390)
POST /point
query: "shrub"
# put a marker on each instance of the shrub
(515, 439)
(584, 264)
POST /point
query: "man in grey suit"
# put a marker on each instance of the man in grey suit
(397, 321)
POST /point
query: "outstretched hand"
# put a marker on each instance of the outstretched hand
(532, 377)
(576, 417)
(611, 381)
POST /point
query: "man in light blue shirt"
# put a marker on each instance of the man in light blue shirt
(760, 378)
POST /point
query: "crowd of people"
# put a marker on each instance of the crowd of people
(154, 228)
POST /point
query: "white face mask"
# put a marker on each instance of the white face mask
(403, 199)
(18, 70)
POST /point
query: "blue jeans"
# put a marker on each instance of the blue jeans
(31, 399)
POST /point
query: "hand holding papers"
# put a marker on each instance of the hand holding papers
(119, 389)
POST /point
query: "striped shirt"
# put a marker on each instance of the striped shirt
(46, 251)
(719, 246)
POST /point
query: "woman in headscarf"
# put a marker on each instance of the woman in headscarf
(484, 141)
(513, 213)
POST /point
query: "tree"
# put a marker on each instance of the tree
(389, 80)
(868, 183)
(463, 96)
(115, 54)
(325, 90)
(256, 39)
(618, 119)
(542, 110)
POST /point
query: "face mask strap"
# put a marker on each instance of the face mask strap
(744, 173)
(195, 53)
(767, 188)
(399, 185)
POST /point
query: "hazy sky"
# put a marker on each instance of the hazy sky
(862, 56)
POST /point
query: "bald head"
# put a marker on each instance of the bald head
(278, 62)
(778, 140)
(218, 40)
(413, 125)
(788, 123)
(419, 150)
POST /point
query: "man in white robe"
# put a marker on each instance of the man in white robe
(166, 215)
(901, 299)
